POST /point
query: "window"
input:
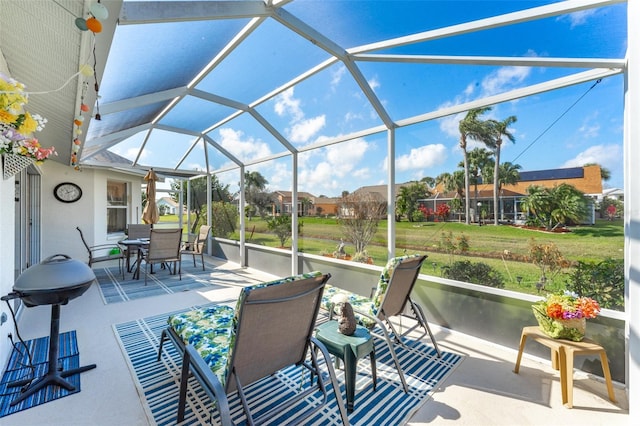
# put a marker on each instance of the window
(116, 207)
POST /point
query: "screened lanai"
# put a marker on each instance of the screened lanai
(325, 96)
(323, 79)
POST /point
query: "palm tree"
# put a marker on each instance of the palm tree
(429, 181)
(509, 175)
(471, 128)
(453, 182)
(555, 206)
(500, 130)
(408, 196)
(479, 162)
(254, 184)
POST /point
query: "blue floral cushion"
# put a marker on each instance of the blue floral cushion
(364, 304)
(211, 330)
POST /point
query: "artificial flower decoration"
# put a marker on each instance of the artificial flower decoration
(569, 306)
(17, 125)
(563, 316)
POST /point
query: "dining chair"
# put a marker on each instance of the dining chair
(390, 298)
(196, 247)
(135, 231)
(164, 247)
(103, 253)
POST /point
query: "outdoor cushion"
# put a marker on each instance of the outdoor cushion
(211, 330)
(366, 305)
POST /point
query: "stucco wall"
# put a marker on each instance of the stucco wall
(59, 220)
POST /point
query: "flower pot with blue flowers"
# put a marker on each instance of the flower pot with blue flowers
(564, 316)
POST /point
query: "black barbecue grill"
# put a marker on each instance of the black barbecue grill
(54, 281)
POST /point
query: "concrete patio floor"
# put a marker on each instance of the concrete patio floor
(483, 390)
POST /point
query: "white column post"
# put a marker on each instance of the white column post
(632, 208)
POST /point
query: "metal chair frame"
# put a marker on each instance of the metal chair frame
(96, 253)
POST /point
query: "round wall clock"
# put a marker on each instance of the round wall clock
(67, 192)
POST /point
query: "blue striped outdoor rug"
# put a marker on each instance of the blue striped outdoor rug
(158, 383)
(17, 369)
(114, 289)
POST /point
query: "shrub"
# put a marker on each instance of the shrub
(602, 281)
(281, 226)
(477, 273)
(224, 216)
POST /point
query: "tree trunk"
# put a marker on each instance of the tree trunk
(496, 188)
(466, 185)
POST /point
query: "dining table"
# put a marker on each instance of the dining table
(135, 244)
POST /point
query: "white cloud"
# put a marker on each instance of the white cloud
(287, 104)
(280, 177)
(242, 147)
(350, 116)
(578, 18)
(304, 130)
(590, 127)
(449, 125)
(609, 156)
(468, 91)
(374, 83)
(336, 76)
(422, 157)
(132, 153)
(337, 168)
(195, 166)
(504, 78)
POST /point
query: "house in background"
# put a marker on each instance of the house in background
(586, 179)
(166, 205)
(282, 203)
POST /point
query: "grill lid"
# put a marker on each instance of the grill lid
(54, 273)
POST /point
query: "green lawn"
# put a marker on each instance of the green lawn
(486, 243)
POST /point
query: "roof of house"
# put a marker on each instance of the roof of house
(301, 194)
(168, 200)
(568, 173)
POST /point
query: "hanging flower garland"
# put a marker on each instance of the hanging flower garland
(92, 23)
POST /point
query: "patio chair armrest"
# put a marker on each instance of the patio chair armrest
(101, 247)
(209, 381)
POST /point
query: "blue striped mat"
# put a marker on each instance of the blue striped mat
(158, 383)
(17, 369)
(114, 289)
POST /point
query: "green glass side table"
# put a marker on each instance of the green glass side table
(350, 349)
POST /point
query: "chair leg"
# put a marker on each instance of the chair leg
(389, 343)
(163, 336)
(202, 260)
(334, 379)
(422, 319)
(184, 378)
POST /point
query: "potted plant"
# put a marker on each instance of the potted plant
(563, 316)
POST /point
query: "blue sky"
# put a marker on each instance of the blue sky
(564, 128)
